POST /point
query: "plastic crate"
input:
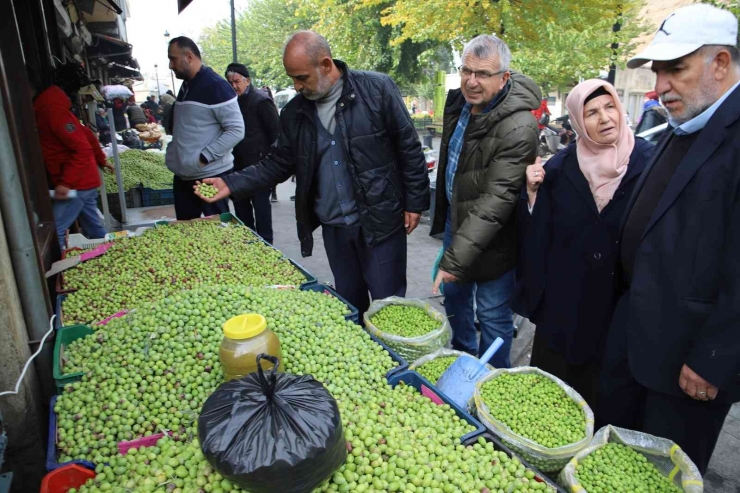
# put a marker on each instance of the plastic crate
(59, 285)
(224, 217)
(64, 478)
(64, 336)
(5, 480)
(151, 197)
(402, 364)
(499, 445)
(133, 201)
(410, 377)
(59, 320)
(310, 279)
(51, 448)
(352, 316)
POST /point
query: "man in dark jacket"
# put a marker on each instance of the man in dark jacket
(672, 366)
(135, 115)
(489, 138)
(653, 114)
(261, 129)
(360, 171)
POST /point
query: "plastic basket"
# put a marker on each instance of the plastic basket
(65, 336)
(51, 449)
(64, 478)
(422, 385)
(352, 316)
(499, 445)
(151, 197)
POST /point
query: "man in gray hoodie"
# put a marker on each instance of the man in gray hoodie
(205, 126)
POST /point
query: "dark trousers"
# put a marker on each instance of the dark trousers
(256, 213)
(190, 206)
(584, 378)
(693, 425)
(359, 268)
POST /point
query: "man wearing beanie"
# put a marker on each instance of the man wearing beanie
(672, 363)
(653, 114)
(261, 129)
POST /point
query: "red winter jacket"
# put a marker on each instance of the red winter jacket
(71, 151)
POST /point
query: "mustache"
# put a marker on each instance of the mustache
(667, 98)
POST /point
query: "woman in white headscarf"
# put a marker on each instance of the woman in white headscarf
(569, 225)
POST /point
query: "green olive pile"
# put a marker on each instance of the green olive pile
(149, 366)
(535, 407)
(207, 190)
(140, 168)
(434, 369)
(404, 321)
(168, 467)
(615, 468)
(167, 259)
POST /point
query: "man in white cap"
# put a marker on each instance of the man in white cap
(672, 364)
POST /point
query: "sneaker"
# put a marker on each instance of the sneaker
(292, 198)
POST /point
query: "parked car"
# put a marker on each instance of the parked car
(283, 97)
(654, 134)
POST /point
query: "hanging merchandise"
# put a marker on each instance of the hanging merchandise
(270, 432)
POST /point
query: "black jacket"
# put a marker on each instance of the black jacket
(387, 165)
(683, 305)
(261, 128)
(568, 253)
(652, 118)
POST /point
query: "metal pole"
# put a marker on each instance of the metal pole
(156, 75)
(615, 46)
(28, 271)
(117, 162)
(233, 32)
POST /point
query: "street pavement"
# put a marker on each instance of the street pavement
(723, 475)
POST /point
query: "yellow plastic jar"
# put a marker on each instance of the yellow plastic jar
(245, 337)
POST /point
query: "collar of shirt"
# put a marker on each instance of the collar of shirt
(699, 122)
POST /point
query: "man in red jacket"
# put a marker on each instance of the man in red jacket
(72, 156)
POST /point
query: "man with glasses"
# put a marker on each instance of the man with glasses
(489, 137)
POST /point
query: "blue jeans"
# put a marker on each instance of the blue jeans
(83, 207)
(492, 307)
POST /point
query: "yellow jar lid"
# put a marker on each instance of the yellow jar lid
(245, 326)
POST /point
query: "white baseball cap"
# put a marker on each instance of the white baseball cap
(686, 30)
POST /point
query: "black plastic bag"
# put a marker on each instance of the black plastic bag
(273, 433)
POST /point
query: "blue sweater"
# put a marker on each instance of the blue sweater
(207, 121)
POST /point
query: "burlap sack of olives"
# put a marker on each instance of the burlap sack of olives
(410, 327)
(536, 414)
(627, 460)
(433, 365)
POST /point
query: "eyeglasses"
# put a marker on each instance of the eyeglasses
(465, 73)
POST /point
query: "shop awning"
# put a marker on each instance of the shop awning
(116, 69)
(108, 47)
